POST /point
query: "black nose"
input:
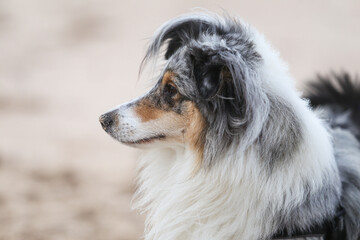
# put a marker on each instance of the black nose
(106, 120)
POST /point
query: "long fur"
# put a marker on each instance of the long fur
(234, 151)
(269, 161)
(338, 95)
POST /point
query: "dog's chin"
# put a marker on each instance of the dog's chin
(144, 142)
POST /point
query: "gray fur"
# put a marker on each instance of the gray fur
(316, 208)
(347, 153)
(338, 117)
(281, 134)
(241, 105)
(337, 96)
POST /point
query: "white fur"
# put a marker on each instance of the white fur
(225, 201)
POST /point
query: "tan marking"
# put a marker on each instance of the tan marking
(173, 123)
(177, 97)
(145, 109)
(195, 132)
(168, 78)
(191, 123)
(147, 112)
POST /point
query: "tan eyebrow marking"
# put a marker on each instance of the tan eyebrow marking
(168, 78)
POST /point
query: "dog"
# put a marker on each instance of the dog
(231, 148)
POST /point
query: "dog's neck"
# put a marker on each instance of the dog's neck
(237, 198)
(234, 202)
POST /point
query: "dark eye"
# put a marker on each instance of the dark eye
(169, 90)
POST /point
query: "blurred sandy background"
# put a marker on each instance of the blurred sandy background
(64, 62)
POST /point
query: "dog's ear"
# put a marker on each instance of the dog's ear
(178, 32)
(208, 82)
(207, 75)
(183, 32)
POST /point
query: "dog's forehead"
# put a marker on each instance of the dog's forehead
(180, 61)
(181, 67)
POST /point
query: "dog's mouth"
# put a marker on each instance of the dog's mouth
(144, 140)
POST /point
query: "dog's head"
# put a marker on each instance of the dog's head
(208, 95)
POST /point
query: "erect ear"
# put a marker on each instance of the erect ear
(207, 75)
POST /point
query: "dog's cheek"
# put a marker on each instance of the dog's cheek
(160, 120)
(173, 125)
(195, 132)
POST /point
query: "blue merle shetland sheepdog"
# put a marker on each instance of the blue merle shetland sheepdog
(231, 149)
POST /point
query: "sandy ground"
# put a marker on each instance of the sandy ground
(64, 62)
